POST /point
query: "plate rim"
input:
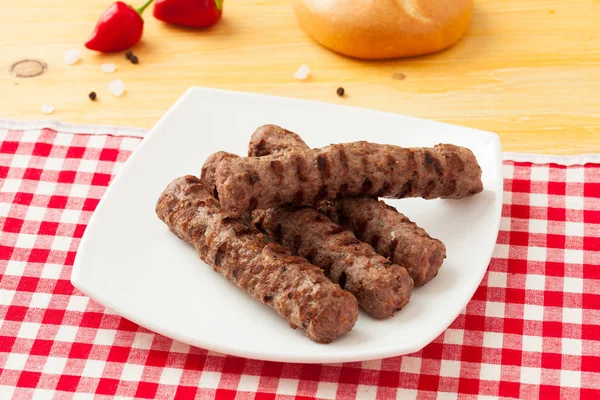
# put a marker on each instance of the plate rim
(371, 353)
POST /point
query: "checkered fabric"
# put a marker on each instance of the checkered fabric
(532, 330)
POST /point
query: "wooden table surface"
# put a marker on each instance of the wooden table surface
(527, 69)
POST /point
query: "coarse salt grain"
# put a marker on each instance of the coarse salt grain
(116, 87)
(302, 73)
(108, 68)
(71, 56)
(46, 109)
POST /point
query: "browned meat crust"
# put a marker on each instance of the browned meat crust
(302, 176)
(296, 289)
(391, 233)
(380, 286)
(269, 139)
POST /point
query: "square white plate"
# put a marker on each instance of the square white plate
(130, 262)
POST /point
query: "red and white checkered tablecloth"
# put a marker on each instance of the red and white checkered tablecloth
(532, 330)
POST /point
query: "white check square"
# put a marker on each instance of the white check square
(494, 309)
(574, 202)
(287, 386)
(411, 365)
(25, 241)
(538, 226)
(67, 333)
(105, 337)
(531, 376)
(535, 282)
(366, 392)
(572, 346)
(454, 336)
(16, 361)
(248, 383)
(170, 376)
(53, 163)
(40, 300)
(11, 185)
(70, 216)
(20, 161)
(6, 296)
(497, 279)
(532, 343)
(450, 368)
(570, 379)
(574, 229)
(29, 330)
(493, 340)
(63, 139)
(575, 174)
(55, 365)
(30, 136)
(35, 213)
(209, 380)
(573, 285)
(16, 268)
(574, 256)
(45, 188)
(490, 372)
(96, 141)
(132, 372)
(538, 200)
(572, 315)
(93, 368)
(327, 390)
(540, 174)
(88, 166)
(61, 243)
(536, 253)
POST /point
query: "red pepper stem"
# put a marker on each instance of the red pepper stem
(141, 9)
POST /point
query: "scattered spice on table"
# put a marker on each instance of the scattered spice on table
(116, 87)
(398, 76)
(340, 91)
(71, 56)
(128, 54)
(134, 59)
(108, 68)
(302, 72)
(92, 96)
(47, 109)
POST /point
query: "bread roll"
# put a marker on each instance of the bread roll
(377, 29)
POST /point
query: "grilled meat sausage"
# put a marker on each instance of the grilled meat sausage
(296, 289)
(390, 233)
(302, 176)
(380, 286)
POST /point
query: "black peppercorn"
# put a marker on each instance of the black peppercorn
(92, 96)
(340, 91)
(134, 59)
(128, 54)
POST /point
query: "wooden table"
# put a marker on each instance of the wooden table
(527, 69)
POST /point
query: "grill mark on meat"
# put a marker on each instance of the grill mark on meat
(253, 178)
(260, 148)
(277, 232)
(253, 203)
(428, 158)
(310, 256)
(393, 245)
(342, 281)
(322, 193)
(296, 243)
(390, 160)
(367, 185)
(268, 298)
(430, 188)
(343, 158)
(405, 190)
(300, 167)
(326, 265)
(383, 190)
(361, 227)
(375, 241)
(323, 166)
(220, 254)
(298, 198)
(283, 269)
(438, 168)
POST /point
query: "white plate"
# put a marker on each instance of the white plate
(130, 262)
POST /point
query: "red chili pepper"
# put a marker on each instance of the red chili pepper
(190, 13)
(118, 28)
